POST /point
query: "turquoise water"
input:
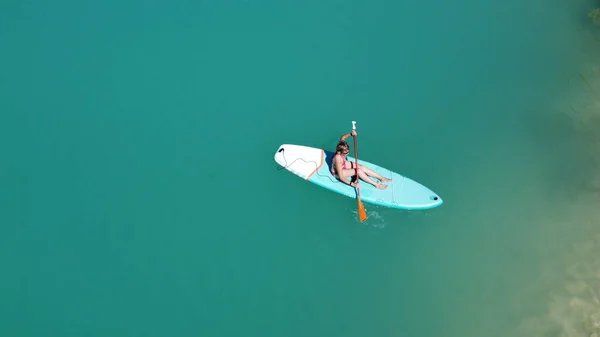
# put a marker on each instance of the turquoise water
(140, 197)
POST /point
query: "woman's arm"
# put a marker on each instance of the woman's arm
(346, 135)
(340, 170)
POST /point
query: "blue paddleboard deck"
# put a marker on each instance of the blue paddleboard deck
(315, 166)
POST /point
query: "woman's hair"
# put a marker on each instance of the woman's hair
(342, 147)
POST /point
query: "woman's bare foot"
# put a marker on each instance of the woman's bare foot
(381, 186)
(384, 179)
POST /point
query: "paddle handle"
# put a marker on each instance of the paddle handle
(353, 125)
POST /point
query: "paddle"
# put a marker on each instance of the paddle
(362, 214)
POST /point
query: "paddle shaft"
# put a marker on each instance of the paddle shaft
(356, 160)
(362, 213)
(356, 166)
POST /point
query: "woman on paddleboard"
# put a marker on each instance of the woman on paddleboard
(343, 168)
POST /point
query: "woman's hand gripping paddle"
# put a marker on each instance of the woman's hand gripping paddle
(362, 213)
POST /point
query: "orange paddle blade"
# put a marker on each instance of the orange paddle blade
(362, 214)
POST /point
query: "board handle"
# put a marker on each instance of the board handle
(353, 125)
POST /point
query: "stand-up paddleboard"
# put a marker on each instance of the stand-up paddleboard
(314, 165)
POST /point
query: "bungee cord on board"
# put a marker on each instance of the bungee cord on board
(332, 179)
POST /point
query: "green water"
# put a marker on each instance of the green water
(139, 196)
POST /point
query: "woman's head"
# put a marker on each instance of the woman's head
(342, 147)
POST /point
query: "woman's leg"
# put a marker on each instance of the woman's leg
(371, 173)
(363, 176)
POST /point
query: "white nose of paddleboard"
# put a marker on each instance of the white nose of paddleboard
(302, 161)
